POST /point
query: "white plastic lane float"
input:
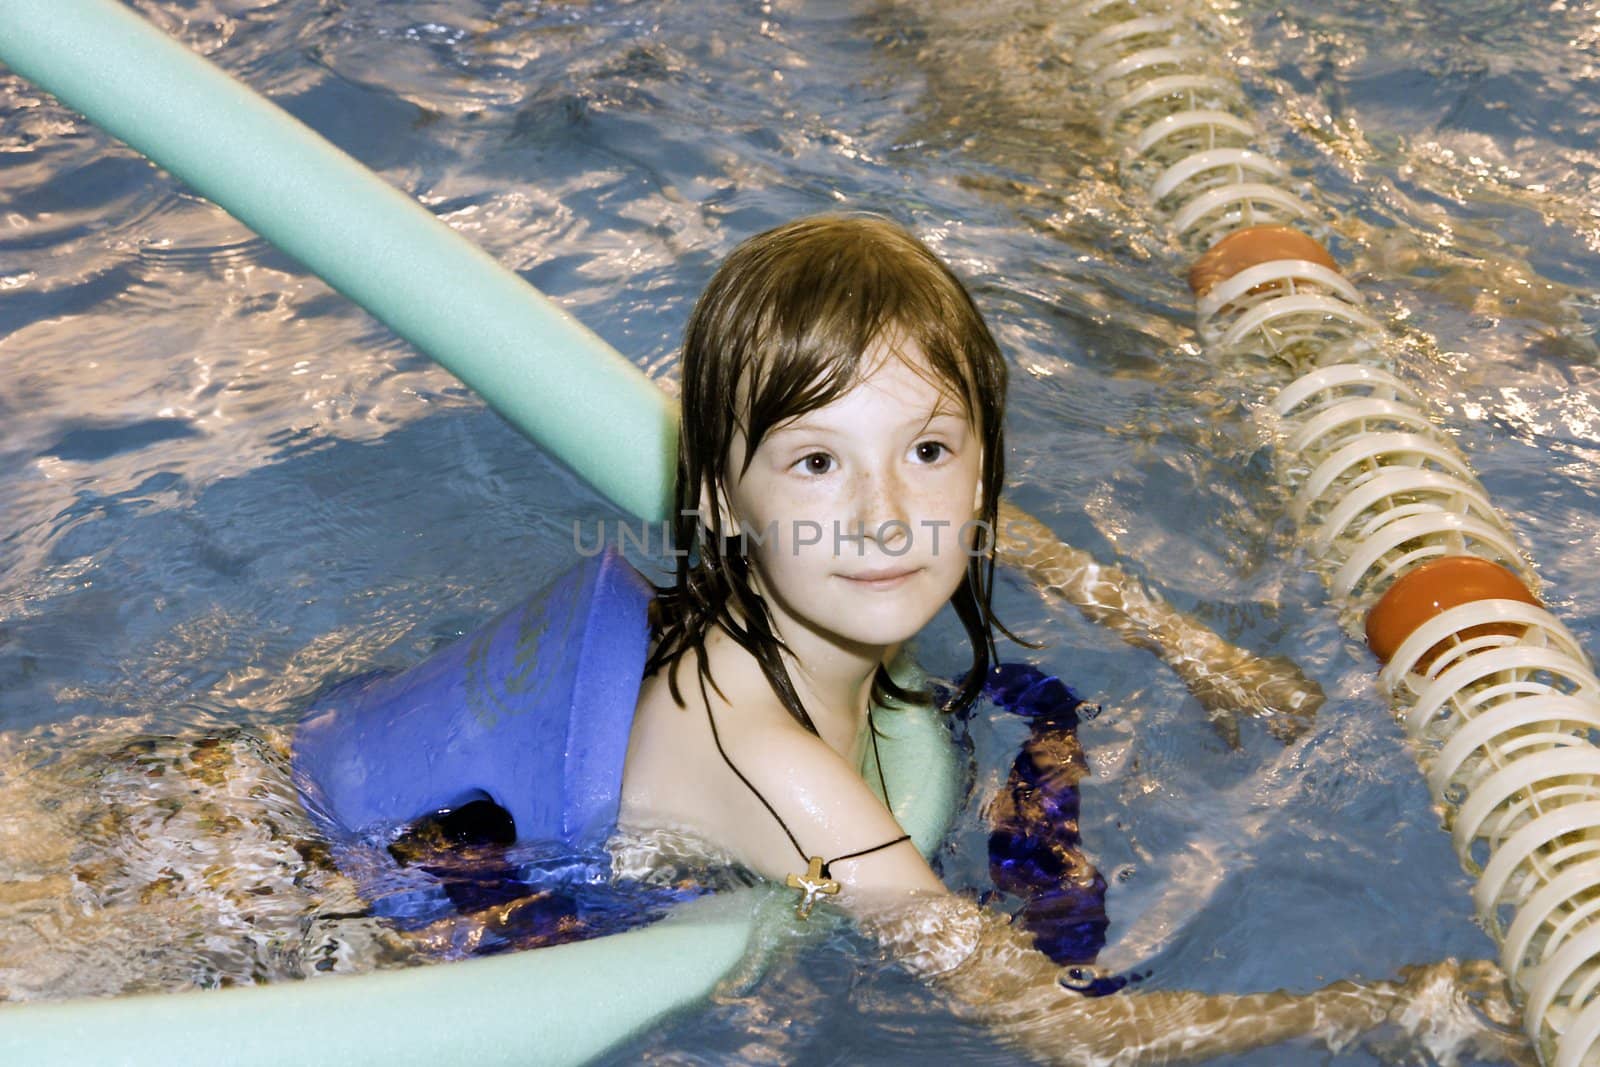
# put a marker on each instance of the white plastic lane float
(562, 386)
(1502, 703)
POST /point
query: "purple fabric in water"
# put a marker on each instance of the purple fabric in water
(1034, 847)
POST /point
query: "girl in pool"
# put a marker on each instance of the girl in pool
(839, 473)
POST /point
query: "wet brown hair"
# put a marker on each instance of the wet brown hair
(779, 332)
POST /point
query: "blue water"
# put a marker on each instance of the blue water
(223, 486)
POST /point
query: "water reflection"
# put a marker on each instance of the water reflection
(224, 485)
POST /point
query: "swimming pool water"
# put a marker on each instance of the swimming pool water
(223, 486)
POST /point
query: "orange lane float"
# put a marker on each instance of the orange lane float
(1434, 588)
(1250, 247)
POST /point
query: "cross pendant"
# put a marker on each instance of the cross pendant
(812, 885)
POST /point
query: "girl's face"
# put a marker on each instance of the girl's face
(854, 512)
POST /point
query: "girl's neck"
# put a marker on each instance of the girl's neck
(833, 679)
(832, 676)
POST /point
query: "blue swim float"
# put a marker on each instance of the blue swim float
(532, 713)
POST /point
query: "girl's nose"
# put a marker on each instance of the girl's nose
(880, 514)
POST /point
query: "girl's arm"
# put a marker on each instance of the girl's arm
(991, 973)
(1225, 678)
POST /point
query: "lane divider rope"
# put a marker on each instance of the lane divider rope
(1499, 697)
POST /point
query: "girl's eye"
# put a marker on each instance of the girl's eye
(816, 463)
(930, 451)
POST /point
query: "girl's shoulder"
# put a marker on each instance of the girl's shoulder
(731, 765)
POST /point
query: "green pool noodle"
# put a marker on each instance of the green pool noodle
(536, 365)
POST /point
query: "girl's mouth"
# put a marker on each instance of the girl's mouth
(882, 578)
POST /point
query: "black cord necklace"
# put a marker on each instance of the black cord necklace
(818, 879)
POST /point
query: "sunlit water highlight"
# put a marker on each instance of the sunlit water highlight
(224, 487)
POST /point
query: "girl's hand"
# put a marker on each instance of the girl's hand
(1455, 1011)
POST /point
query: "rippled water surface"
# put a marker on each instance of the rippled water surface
(223, 486)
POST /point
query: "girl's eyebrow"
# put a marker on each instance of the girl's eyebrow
(926, 424)
(804, 423)
(799, 424)
(941, 411)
